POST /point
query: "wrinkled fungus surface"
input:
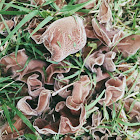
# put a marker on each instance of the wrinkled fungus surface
(69, 70)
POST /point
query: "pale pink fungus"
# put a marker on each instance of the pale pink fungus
(65, 36)
(115, 89)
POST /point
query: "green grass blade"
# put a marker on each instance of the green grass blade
(53, 62)
(105, 113)
(21, 23)
(113, 111)
(21, 8)
(13, 12)
(94, 46)
(96, 101)
(2, 79)
(71, 76)
(7, 7)
(27, 62)
(53, 5)
(71, 9)
(127, 123)
(91, 111)
(6, 112)
(6, 26)
(48, 2)
(24, 119)
(134, 84)
(44, 22)
(71, 2)
(30, 136)
(1, 4)
(132, 105)
(130, 70)
(134, 20)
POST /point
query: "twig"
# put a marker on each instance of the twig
(131, 95)
(55, 93)
(7, 85)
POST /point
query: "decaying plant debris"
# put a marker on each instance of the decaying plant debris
(70, 69)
